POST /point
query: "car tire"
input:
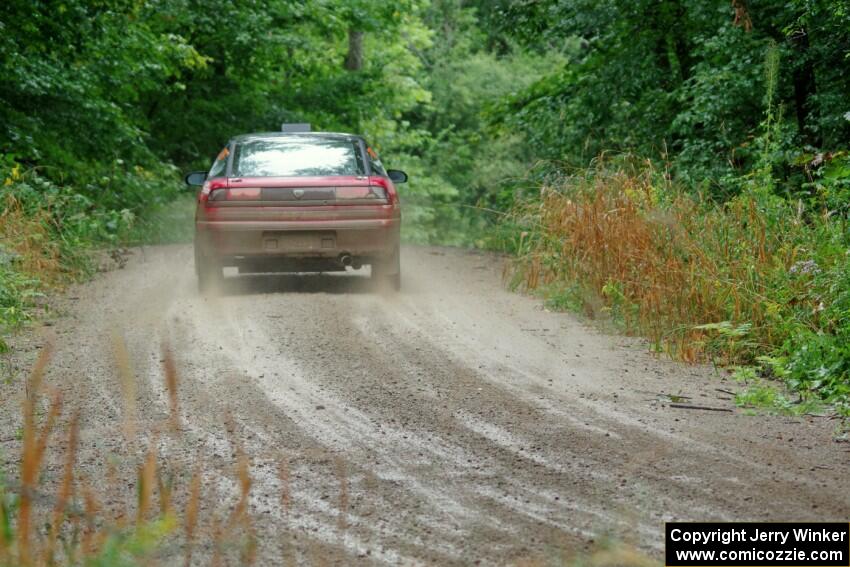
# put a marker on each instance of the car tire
(387, 273)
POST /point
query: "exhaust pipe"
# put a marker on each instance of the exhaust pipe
(345, 259)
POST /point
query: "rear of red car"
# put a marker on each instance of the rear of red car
(308, 202)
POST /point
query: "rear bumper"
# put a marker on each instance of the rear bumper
(234, 242)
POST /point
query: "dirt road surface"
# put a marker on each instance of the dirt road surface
(452, 423)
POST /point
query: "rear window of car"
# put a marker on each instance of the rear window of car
(297, 157)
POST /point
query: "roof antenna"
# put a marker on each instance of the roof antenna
(296, 127)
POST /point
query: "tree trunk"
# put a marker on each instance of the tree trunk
(354, 59)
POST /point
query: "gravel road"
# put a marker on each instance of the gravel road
(454, 422)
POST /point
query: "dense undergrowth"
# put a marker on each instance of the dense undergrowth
(756, 280)
(52, 233)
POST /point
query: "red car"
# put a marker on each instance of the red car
(297, 202)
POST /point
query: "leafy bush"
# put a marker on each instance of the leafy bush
(683, 82)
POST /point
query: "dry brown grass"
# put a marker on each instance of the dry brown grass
(127, 380)
(662, 262)
(190, 521)
(71, 525)
(34, 445)
(170, 371)
(28, 234)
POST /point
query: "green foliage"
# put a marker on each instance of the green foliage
(17, 293)
(564, 298)
(131, 547)
(685, 79)
(718, 108)
(48, 228)
(74, 76)
(100, 101)
(825, 183)
(815, 358)
(769, 396)
(468, 171)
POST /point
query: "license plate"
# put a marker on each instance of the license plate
(298, 241)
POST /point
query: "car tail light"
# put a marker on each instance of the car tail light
(367, 192)
(211, 188)
(387, 190)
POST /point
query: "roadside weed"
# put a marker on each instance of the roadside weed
(45, 520)
(50, 232)
(729, 283)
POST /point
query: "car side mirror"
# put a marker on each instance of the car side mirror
(195, 178)
(397, 176)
